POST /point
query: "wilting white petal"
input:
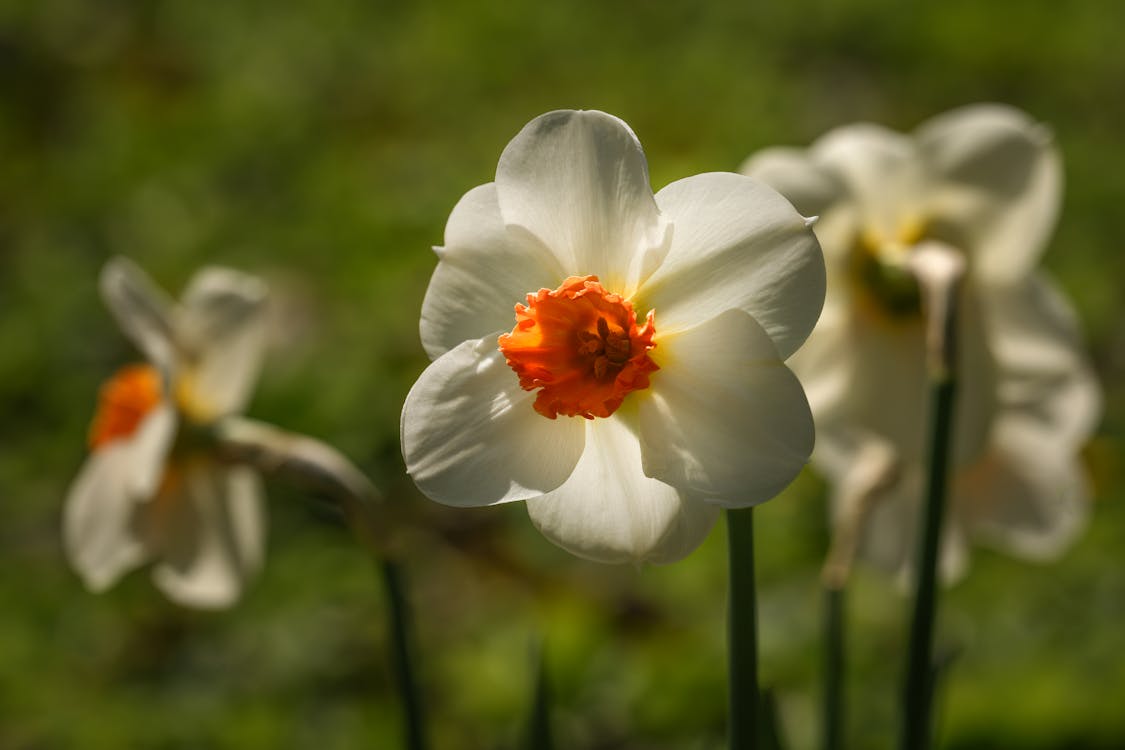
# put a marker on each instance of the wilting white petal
(222, 329)
(609, 511)
(724, 418)
(883, 173)
(98, 517)
(736, 244)
(471, 437)
(142, 309)
(485, 269)
(998, 184)
(208, 532)
(579, 182)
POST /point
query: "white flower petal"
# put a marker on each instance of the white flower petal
(579, 182)
(883, 174)
(1021, 500)
(97, 520)
(471, 437)
(99, 514)
(998, 183)
(142, 310)
(1043, 372)
(609, 511)
(814, 191)
(824, 363)
(485, 269)
(736, 243)
(811, 189)
(724, 417)
(892, 530)
(869, 373)
(209, 533)
(222, 330)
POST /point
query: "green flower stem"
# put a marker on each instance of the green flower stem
(833, 667)
(742, 635)
(918, 689)
(539, 735)
(939, 270)
(398, 618)
(317, 465)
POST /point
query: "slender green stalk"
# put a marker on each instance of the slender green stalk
(316, 464)
(398, 616)
(939, 270)
(539, 719)
(833, 718)
(770, 736)
(742, 633)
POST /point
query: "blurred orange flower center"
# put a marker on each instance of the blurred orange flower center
(123, 401)
(581, 346)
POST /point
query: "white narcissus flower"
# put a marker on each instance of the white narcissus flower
(613, 358)
(152, 488)
(983, 181)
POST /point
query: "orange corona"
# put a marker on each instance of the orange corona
(581, 346)
(123, 401)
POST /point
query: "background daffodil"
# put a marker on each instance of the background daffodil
(985, 182)
(153, 489)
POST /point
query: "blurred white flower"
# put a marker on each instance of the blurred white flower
(655, 326)
(152, 488)
(985, 181)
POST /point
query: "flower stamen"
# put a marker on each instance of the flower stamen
(581, 346)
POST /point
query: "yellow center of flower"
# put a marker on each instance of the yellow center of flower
(879, 268)
(123, 401)
(581, 346)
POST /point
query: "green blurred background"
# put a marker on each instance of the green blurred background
(322, 146)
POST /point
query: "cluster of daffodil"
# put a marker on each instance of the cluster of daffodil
(629, 364)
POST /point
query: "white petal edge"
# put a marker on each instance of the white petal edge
(1044, 372)
(222, 326)
(484, 270)
(884, 175)
(578, 180)
(99, 536)
(811, 189)
(609, 511)
(1022, 501)
(211, 536)
(814, 191)
(724, 417)
(142, 309)
(736, 243)
(998, 181)
(470, 436)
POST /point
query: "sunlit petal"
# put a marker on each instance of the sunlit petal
(485, 268)
(726, 419)
(609, 511)
(737, 244)
(579, 182)
(222, 328)
(471, 437)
